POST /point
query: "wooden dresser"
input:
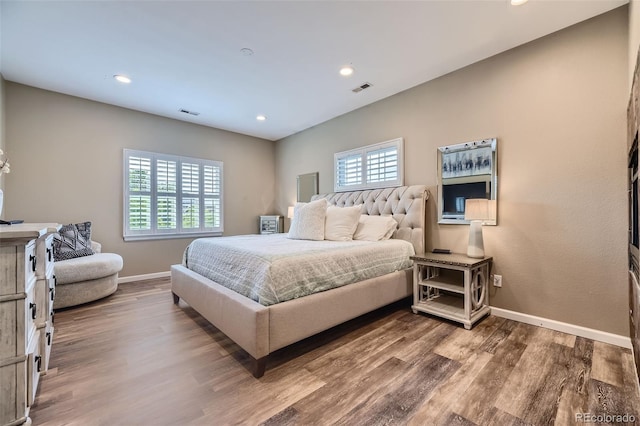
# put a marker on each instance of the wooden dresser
(27, 291)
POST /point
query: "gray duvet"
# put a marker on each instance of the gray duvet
(272, 268)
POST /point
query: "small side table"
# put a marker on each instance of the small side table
(271, 224)
(452, 286)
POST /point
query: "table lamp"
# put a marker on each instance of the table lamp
(290, 212)
(476, 210)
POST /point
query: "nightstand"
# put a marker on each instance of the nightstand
(272, 224)
(451, 286)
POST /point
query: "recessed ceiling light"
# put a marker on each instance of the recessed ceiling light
(122, 78)
(261, 117)
(347, 70)
(518, 2)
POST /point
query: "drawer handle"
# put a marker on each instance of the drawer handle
(38, 361)
(52, 293)
(34, 310)
(48, 338)
(49, 253)
(53, 317)
(33, 260)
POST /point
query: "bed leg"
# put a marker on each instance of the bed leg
(176, 298)
(259, 366)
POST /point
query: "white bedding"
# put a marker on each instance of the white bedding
(272, 268)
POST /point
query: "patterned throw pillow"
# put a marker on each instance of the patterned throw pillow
(73, 240)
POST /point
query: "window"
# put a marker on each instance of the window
(167, 196)
(373, 166)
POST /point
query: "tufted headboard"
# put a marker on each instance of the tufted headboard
(405, 203)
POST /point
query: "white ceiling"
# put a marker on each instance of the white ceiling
(184, 54)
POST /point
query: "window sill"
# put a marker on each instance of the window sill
(171, 236)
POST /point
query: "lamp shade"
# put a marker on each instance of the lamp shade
(477, 209)
(290, 212)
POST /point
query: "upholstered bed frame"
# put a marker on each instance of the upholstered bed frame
(260, 330)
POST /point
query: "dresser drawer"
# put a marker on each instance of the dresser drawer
(44, 253)
(34, 366)
(51, 296)
(42, 302)
(31, 309)
(46, 340)
(30, 263)
(14, 377)
(13, 338)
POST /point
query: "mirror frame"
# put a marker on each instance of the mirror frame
(306, 187)
(468, 177)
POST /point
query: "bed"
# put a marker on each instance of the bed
(261, 325)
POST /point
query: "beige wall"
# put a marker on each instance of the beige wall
(558, 108)
(2, 130)
(634, 36)
(66, 166)
(2, 120)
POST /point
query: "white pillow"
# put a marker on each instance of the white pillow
(341, 223)
(375, 228)
(308, 221)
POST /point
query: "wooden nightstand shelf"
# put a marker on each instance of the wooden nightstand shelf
(452, 286)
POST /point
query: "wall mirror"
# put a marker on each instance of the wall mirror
(467, 170)
(307, 186)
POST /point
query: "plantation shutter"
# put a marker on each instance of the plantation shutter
(382, 164)
(166, 208)
(212, 193)
(169, 196)
(349, 170)
(190, 196)
(373, 166)
(139, 200)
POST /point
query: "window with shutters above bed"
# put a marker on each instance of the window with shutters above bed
(169, 196)
(373, 166)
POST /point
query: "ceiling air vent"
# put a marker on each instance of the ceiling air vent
(189, 112)
(362, 87)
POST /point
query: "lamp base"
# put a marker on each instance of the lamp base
(476, 244)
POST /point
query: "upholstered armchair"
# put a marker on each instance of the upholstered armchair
(87, 278)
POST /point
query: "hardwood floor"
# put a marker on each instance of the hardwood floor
(135, 358)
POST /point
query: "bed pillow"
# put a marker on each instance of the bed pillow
(308, 221)
(341, 223)
(375, 228)
(71, 241)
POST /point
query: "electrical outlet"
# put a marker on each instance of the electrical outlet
(497, 280)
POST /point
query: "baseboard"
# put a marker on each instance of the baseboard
(600, 336)
(589, 333)
(143, 277)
